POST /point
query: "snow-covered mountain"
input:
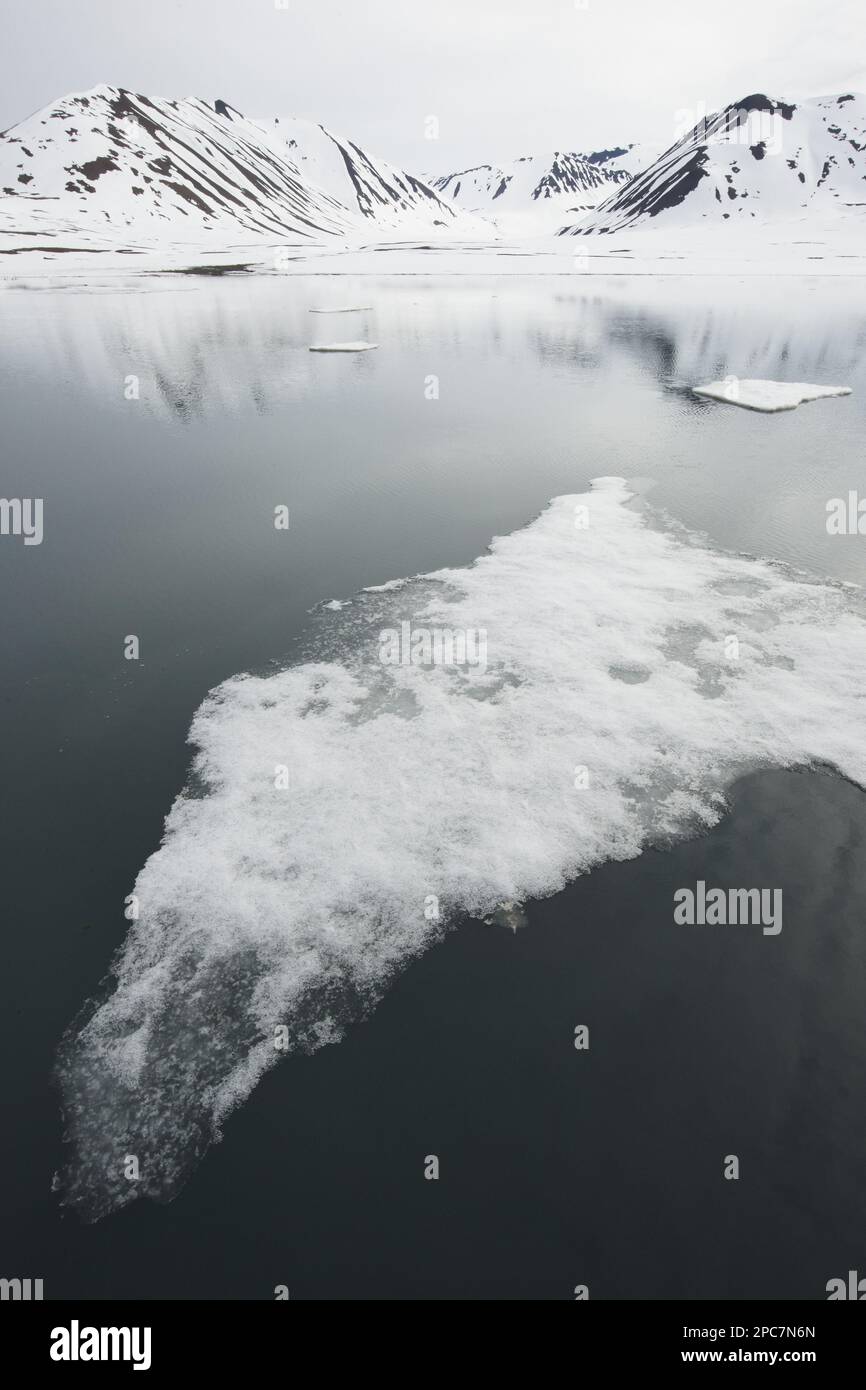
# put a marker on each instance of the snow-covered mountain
(532, 178)
(112, 161)
(110, 170)
(372, 188)
(535, 192)
(757, 159)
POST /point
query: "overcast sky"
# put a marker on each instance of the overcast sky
(501, 77)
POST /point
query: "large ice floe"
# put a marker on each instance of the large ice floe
(343, 812)
(768, 396)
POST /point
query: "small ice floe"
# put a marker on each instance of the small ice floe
(767, 395)
(389, 584)
(344, 347)
(335, 605)
(510, 915)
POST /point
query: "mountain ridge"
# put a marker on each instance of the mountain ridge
(111, 160)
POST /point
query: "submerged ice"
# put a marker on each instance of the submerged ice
(343, 812)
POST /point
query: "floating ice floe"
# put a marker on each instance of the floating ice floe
(344, 347)
(768, 396)
(343, 812)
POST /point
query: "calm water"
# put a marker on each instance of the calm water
(158, 522)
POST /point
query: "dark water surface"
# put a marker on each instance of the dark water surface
(557, 1167)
